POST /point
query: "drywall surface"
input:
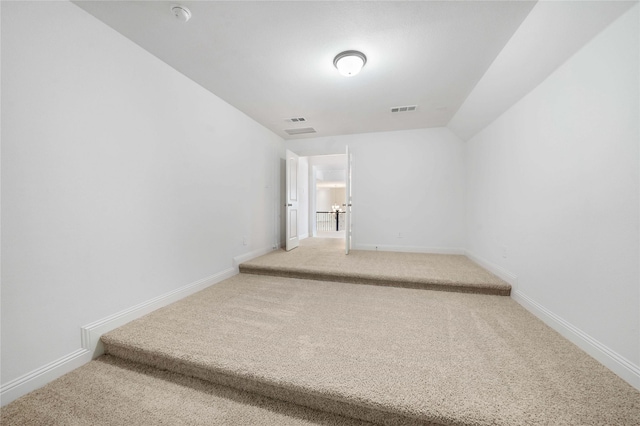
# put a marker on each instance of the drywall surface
(122, 180)
(553, 191)
(408, 187)
(551, 33)
(326, 198)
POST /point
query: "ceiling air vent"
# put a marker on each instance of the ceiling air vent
(300, 131)
(407, 108)
(297, 119)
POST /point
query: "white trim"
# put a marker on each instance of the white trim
(90, 333)
(609, 358)
(251, 255)
(90, 339)
(408, 249)
(494, 269)
(43, 375)
(303, 236)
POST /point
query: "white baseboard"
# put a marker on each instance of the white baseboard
(90, 339)
(251, 255)
(609, 358)
(43, 375)
(303, 236)
(407, 249)
(494, 269)
(91, 333)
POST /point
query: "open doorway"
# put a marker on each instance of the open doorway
(327, 191)
(330, 210)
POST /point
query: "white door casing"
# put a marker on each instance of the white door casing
(348, 205)
(291, 200)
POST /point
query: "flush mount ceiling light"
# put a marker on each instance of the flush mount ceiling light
(181, 13)
(350, 62)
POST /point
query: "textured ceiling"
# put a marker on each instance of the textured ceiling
(273, 60)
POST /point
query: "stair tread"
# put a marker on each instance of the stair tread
(114, 391)
(380, 354)
(325, 261)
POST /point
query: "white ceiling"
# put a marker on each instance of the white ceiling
(273, 60)
(552, 32)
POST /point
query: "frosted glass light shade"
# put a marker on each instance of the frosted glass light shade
(349, 63)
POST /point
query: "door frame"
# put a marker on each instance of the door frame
(292, 199)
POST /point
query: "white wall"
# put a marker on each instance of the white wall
(420, 171)
(122, 180)
(327, 197)
(553, 196)
(551, 32)
(323, 199)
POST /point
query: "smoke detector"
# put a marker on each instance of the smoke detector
(181, 13)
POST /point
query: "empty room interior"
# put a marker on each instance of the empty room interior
(320, 212)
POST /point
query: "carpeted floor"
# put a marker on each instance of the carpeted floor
(324, 259)
(113, 391)
(267, 350)
(388, 355)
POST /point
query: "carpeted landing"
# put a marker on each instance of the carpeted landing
(324, 259)
(267, 350)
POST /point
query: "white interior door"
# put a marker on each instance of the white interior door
(348, 205)
(291, 187)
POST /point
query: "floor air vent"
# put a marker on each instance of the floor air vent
(300, 131)
(408, 108)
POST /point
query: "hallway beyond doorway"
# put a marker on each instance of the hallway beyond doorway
(330, 234)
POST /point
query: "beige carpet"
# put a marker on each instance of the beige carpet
(268, 350)
(389, 355)
(324, 259)
(112, 391)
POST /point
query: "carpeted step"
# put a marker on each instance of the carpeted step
(322, 260)
(113, 391)
(384, 355)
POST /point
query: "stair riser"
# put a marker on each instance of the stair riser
(247, 384)
(458, 288)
